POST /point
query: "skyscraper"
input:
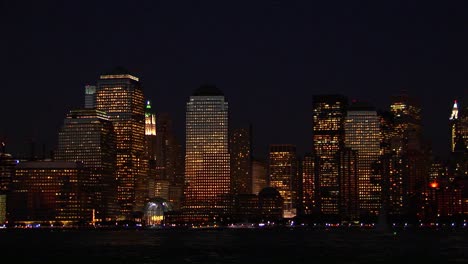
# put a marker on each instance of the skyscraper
(328, 138)
(207, 160)
(90, 96)
(282, 171)
(241, 160)
(87, 136)
(362, 134)
(308, 184)
(120, 95)
(169, 159)
(455, 126)
(150, 132)
(349, 184)
(410, 160)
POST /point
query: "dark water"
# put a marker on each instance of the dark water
(232, 246)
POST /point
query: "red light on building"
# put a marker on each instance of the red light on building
(434, 185)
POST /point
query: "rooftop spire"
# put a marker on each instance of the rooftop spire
(454, 115)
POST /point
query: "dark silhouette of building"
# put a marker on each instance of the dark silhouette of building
(87, 136)
(241, 160)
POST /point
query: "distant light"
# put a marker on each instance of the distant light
(434, 185)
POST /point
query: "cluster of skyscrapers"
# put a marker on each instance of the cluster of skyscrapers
(116, 159)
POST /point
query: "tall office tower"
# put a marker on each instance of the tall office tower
(120, 95)
(362, 134)
(49, 191)
(308, 184)
(454, 126)
(282, 171)
(349, 184)
(151, 148)
(413, 163)
(328, 138)
(7, 164)
(259, 175)
(90, 96)
(241, 160)
(207, 159)
(169, 159)
(87, 136)
(169, 153)
(150, 132)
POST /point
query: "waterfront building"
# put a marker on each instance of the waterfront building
(241, 160)
(362, 134)
(207, 159)
(328, 139)
(87, 136)
(50, 192)
(282, 171)
(119, 93)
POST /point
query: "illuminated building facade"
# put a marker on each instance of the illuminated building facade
(150, 132)
(282, 171)
(308, 184)
(241, 161)
(410, 162)
(87, 136)
(259, 175)
(207, 158)
(49, 192)
(90, 96)
(120, 95)
(328, 138)
(3, 210)
(349, 184)
(7, 164)
(454, 126)
(362, 134)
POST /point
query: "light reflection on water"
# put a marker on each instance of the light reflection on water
(233, 246)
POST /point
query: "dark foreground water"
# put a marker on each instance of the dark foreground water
(232, 246)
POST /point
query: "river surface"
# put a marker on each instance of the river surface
(233, 246)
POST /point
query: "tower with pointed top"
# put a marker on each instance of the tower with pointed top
(150, 132)
(454, 126)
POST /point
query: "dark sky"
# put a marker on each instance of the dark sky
(269, 58)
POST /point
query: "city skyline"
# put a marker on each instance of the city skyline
(44, 148)
(269, 58)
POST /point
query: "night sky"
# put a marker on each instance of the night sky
(268, 57)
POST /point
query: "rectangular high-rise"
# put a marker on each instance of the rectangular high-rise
(328, 138)
(282, 170)
(120, 95)
(207, 160)
(362, 134)
(241, 160)
(87, 136)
